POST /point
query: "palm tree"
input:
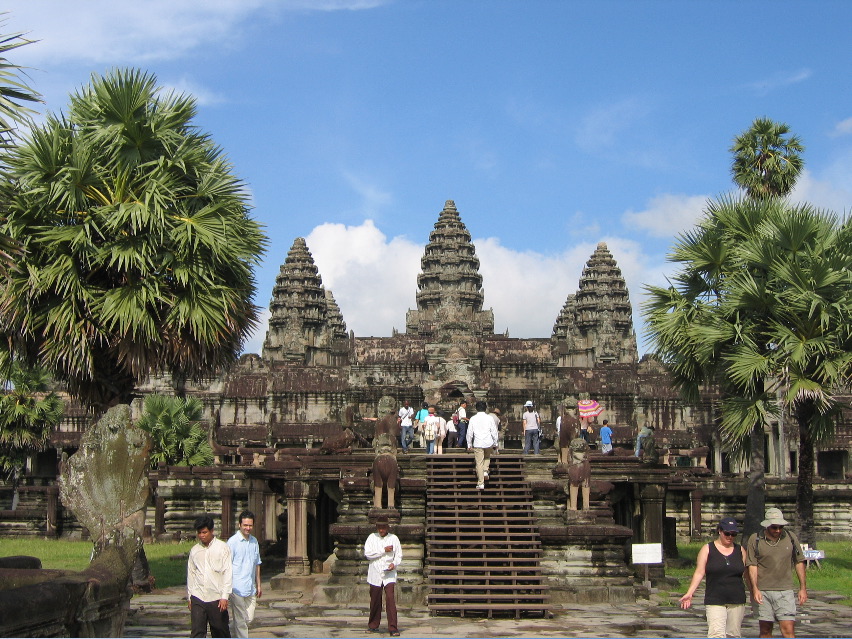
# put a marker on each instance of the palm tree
(760, 305)
(28, 414)
(767, 163)
(177, 437)
(14, 93)
(139, 246)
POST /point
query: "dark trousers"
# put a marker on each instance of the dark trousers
(451, 440)
(376, 606)
(462, 443)
(207, 612)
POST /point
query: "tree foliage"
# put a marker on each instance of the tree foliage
(761, 305)
(28, 415)
(767, 160)
(139, 246)
(177, 437)
(15, 93)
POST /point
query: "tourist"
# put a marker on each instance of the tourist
(208, 581)
(451, 438)
(532, 429)
(482, 438)
(245, 564)
(606, 437)
(419, 418)
(646, 431)
(773, 553)
(501, 433)
(405, 420)
(724, 564)
(384, 551)
(461, 411)
(431, 426)
(586, 430)
(440, 435)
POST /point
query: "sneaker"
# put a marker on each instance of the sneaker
(486, 475)
(480, 486)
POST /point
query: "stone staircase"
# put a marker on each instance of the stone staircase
(482, 546)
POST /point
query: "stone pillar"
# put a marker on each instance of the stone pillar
(653, 498)
(695, 497)
(227, 496)
(256, 498)
(297, 494)
(159, 515)
(52, 528)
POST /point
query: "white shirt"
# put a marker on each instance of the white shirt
(406, 415)
(481, 431)
(530, 420)
(208, 571)
(374, 550)
(558, 424)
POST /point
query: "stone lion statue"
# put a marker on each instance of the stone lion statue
(579, 473)
(385, 470)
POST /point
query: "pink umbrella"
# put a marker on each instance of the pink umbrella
(589, 408)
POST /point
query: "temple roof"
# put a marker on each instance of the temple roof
(449, 295)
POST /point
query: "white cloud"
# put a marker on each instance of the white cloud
(604, 128)
(667, 215)
(121, 32)
(779, 80)
(203, 96)
(373, 198)
(833, 191)
(844, 127)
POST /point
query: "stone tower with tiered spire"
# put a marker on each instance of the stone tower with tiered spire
(306, 325)
(595, 326)
(449, 287)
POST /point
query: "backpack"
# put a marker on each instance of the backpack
(456, 418)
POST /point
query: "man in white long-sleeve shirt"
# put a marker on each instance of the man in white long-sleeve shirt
(384, 551)
(208, 581)
(482, 437)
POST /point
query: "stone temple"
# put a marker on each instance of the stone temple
(292, 430)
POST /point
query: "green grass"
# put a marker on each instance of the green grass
(167, 561)
(834, 574)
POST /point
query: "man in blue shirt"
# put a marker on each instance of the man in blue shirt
(245, 557)
(606, 437)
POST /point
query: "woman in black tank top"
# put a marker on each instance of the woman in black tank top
(723, 563)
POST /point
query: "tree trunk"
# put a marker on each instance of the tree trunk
(756, 498)
(805, 484)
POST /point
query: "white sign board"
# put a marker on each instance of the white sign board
(647, 553)
(814, 554)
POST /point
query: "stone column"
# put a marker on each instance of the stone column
(227, 496)
(297, 494)
(256, 498)
(653, 498)
(695, 497)
(52, 528)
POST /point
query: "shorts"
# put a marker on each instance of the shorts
(778, 605)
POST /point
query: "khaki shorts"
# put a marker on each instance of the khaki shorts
(778, 605)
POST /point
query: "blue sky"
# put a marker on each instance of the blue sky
(553, 125)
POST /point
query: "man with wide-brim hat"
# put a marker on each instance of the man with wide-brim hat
(773, 553)
(384, 551)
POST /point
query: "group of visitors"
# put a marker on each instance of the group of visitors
(221, 577)
(764, 564)
(434, 431)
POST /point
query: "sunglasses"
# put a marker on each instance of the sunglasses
(774, 527)
(728, 533)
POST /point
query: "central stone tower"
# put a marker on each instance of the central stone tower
(449, 295)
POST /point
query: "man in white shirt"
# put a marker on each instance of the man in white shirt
(208, 581)
(482, 438)
(384, 551)
(463, 422)
(405, 419)
(245, 563)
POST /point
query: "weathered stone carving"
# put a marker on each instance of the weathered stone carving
(105, 484)
(579, 473)
(338, 444)
(650, 454)
(569, 429)
(385, 470)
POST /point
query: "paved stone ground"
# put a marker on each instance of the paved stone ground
(303, 611)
